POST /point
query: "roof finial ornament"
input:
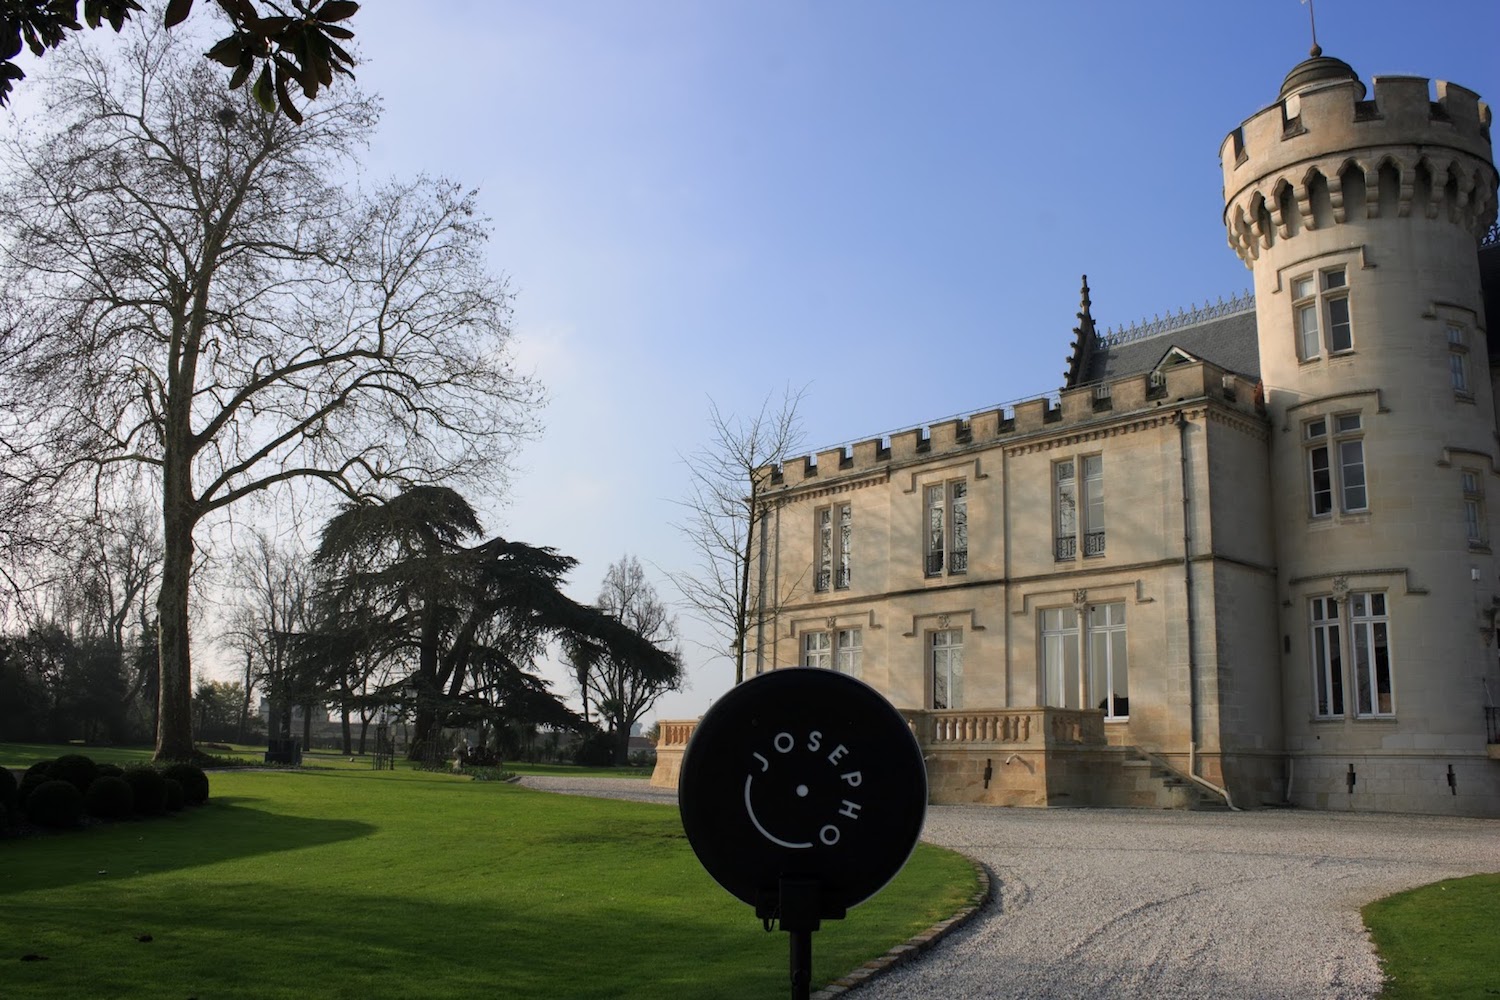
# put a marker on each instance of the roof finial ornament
(1312, 19)
(1085, 302)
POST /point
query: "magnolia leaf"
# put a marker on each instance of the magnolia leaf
(227, 51)
(240, 10)
(177, 12)
(287, 107)
(263, 89)
(336, 10)
(242, 72)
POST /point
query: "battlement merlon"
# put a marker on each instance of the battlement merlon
(1077, 409)
(1332, 116)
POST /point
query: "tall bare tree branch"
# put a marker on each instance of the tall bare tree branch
(193, 294)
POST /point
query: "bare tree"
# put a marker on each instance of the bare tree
(726, 508)
(623, 687)
(272, 587)
(201, 302)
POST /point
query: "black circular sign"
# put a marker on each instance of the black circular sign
(808, 774)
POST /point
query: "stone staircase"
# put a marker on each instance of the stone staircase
(1152, 783)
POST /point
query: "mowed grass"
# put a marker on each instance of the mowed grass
(1440, 941)
(396, 884)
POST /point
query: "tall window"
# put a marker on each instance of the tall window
(1458, 361)
(1068, 500)
(1093, 510)
(1327, 660)
(1065, 487)
(1320, 313)
(947, 527)
(1087, 667)
(816, 651)
(1108, 678)
(835, 532)
(1473, 506)
(848, 652)
(1336, 464)
(1369, 630)
(946, 660)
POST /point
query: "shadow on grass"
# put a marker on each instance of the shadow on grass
(223, 830)
(387, 945)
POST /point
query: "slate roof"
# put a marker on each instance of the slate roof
(1223, 335)
(1227, 341)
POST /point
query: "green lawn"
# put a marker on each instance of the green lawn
(392, 884)
(1441, 941)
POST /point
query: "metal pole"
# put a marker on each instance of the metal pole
(801, 965)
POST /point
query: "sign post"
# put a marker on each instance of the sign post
(803, 792)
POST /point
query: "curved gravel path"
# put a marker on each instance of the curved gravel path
(1125, 903)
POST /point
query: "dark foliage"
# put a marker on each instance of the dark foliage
(471, 620)
(175, 798)
(76, 768)
(596, 749)
(9, 796)
(110, 797)
(55, 804)
(150, 790)
(56, 687)
(194, 782)
(303, 51)
(111, 771)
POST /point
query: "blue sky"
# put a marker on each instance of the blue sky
(890, 203)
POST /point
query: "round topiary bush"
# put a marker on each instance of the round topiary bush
(9, 792)
(194, 782)
(175, 798)
(56, 804)
(111, 771)
(34, 776)
(110, 797)
(77, 768)
(150, 790)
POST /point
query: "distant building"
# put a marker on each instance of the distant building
(1246, 552)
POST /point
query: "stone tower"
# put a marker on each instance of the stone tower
(1361, 220)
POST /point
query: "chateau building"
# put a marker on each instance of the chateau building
(1245, 555)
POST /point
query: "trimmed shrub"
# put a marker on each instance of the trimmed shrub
(77, 768)
(150, 790)
(34, 776)
(56, 804)
(175, 797)
(194, 782)
(110, 797)
(111, 771)
(9, 791)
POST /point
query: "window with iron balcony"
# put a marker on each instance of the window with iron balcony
(835, 533)
(946, 528)
(1072, 498)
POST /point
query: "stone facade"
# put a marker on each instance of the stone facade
(1244, 556)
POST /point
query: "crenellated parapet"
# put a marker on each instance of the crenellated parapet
(1071, 410)
(1323, 155)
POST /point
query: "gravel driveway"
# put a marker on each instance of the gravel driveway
(1125, 903)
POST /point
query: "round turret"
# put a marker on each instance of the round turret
(1361, 221)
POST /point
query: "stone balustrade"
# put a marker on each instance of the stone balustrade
(1022, 727)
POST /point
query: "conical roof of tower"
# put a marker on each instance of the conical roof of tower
(1318, 69)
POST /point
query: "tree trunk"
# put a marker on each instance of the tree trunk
(622, 746)
(174, 720)
(348, 734)
(364, 728)
(307, 711)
